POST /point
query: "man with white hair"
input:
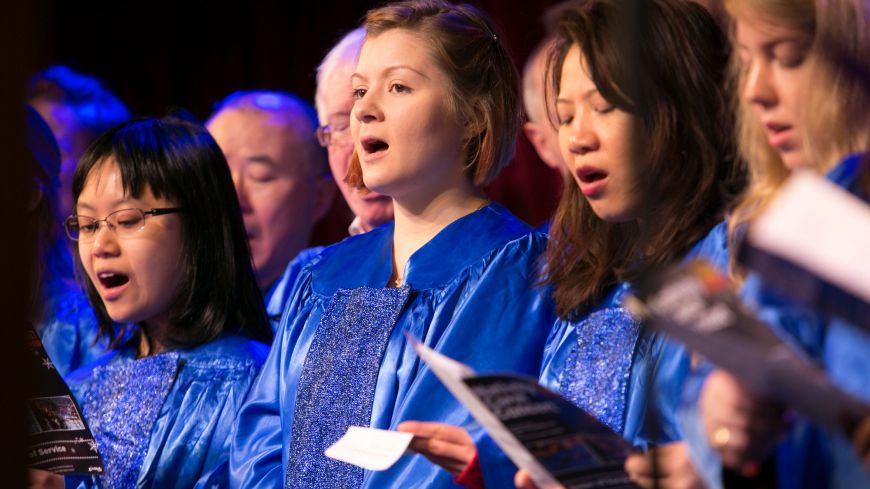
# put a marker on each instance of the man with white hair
(539, 128)
(334, 101)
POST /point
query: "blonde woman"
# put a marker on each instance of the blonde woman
(802, 68)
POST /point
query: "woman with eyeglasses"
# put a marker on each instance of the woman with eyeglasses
(165, 261)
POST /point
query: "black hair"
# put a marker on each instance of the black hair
(179, 160)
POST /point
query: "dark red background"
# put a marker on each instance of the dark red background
(158, 56)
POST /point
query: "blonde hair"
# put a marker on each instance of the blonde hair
(834, 121)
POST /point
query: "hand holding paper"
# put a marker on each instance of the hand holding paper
(446, 445)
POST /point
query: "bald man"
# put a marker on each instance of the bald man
(282, 181)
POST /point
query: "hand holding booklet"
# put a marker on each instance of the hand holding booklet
(557, 443)
(696, 304)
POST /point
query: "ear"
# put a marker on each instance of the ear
(326, 189)
(474, 121)
(36, 195)
(536, 135)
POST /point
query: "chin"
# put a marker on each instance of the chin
(794, 160)
(122, 317)
(613, 216)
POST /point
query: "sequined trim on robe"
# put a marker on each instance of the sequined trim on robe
(121, 405)
(337, 383)
(599, 366)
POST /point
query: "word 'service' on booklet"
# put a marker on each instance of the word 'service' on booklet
(370, 448)
(697, 305)
(557, 443)
(813, 243)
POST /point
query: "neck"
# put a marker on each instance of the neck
(417, 223)
(153, 338)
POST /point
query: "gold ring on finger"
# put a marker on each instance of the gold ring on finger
(721, 436)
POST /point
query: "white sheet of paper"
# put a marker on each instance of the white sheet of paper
(370, 448)
(450, 373)
(821, 227)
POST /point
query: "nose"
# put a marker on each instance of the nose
(105, 242)
(367, 108)
(759, 88)
(582, 137)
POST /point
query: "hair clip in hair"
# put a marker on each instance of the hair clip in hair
(494, 37)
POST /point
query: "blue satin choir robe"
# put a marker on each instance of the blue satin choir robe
(604, 362)
(278, 295)
(67, 327)
(164, 420)
(809, 457)
(341, 357)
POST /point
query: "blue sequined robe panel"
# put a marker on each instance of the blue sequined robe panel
(164, 420)
(604, 362)
(471, 297)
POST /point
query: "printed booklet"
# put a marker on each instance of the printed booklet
(59, 439)
(557, 443)
(697, 305)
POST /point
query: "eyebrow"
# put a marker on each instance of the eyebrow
(391, 69)
(785, 38)
(261, 159)
(87, 206)
(585, 95)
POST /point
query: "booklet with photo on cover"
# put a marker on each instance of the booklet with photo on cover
(812, 243)
(697, 305)
(59, 439)
(557, 443)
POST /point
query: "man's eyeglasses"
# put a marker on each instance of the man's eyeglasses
(334, 134)
(124, 222)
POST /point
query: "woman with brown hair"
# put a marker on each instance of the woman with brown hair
(434, 120)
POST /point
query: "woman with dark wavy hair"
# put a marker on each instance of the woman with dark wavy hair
(646, 133)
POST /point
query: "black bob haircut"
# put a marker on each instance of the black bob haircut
(180, 161)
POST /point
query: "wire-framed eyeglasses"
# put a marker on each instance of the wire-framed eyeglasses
(334, 134)
(124, 222)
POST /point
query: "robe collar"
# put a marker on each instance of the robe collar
(366, 260)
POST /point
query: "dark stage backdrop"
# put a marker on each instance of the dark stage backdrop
(158, 56)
